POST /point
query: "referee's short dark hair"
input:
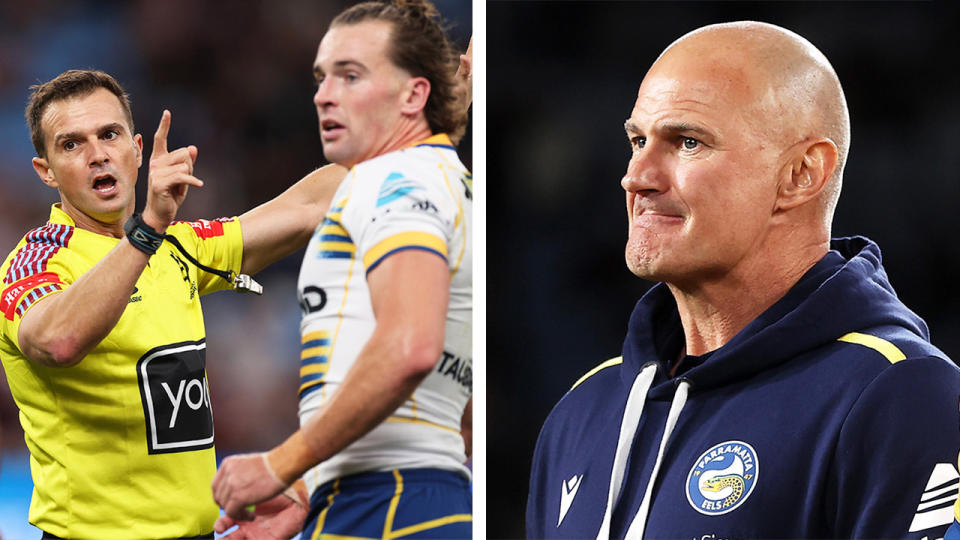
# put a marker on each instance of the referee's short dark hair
(72, 83)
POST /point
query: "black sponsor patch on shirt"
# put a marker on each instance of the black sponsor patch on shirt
(176, 398)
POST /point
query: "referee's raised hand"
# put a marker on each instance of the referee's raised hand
(171, 173)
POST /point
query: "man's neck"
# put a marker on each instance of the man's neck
(713, 312)
(89, 223)
(406, 134)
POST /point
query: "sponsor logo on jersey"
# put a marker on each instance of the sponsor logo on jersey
(206, 228)
(567, 492)
(175, 397)
(11, 296)
(425, 206)
(722, 478)
(134, 297)
(394, 187)
(312, 299)
(185, 272)
(936, 502)
(458, 369)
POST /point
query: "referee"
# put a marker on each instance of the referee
(101, 334)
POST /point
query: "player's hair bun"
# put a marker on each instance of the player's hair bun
(420, 9)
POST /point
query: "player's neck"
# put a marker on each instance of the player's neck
(407, 133)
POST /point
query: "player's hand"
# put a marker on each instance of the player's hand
(464, 78)
(171, 173)
(244, 480)
(278, 518)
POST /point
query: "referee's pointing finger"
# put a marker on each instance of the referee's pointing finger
(160, 137)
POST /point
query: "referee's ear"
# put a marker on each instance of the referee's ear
(45, 172)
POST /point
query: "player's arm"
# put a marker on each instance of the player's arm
(403, 349)
(61, 329)
(279, 227)
(466, 428)
(464, 83)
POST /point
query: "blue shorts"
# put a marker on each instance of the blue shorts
(405, 503)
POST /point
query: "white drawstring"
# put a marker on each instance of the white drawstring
(628, 428)
(635, 532)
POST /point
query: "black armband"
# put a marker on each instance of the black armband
(141, 235)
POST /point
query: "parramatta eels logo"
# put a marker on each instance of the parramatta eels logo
(722, 478)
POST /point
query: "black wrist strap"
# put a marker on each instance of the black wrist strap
(141, 235)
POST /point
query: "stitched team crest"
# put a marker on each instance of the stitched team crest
(722, 478)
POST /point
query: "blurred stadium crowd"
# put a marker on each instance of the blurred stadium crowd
(237, 77)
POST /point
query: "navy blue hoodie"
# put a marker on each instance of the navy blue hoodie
(829, 416)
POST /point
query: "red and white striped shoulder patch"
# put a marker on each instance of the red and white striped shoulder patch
(42, 244)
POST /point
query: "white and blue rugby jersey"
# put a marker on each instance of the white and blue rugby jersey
(415, 198)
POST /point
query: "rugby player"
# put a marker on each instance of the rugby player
(386, 366)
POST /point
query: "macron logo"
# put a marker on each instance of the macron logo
(567, 494)
(936, 503)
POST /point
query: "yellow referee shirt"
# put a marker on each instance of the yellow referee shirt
(121, 445)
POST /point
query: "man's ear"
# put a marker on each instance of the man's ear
(45, 172)
(810, 168)
(138, 146)
(415, 95)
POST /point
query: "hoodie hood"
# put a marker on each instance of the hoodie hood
(849, 283)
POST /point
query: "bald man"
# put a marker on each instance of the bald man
(771, 385)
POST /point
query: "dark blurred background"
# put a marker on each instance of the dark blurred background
(236, 75)
(562, 79)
